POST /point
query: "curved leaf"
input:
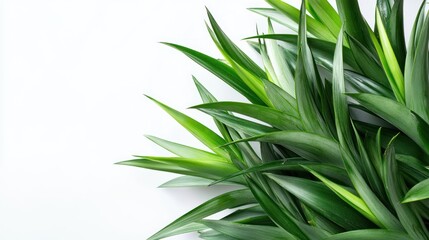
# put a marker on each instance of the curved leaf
(247, 231)
(214, 205)
(417, 193)
(398, 115)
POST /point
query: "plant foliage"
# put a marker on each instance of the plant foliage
(340, 112)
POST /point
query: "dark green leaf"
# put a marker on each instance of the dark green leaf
(323, 200)
(370, 234)
(394, 185)
(398, 115)
(247, 232)
(227, 200)
(270, 116)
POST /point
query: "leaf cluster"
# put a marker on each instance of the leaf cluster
(339, 110)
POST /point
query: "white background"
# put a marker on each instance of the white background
(72, 104)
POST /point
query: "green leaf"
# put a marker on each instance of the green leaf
(246, 231)
(293, 165)
(416, 74)
(252, 214)
(221, 70)
(281, 68)
(368, 63)
(214, 235)
(370, 234)
(389, 61)
(201, 132)
(354, 23)
(191, 227)
(417, 193)
(185, 151)
(319, 221)
(190, 181)
(348, 197)
(341, 109)
(398, 115)
(394, 185)
(207, 97)
(367, 166)
(281, 100)
(310, 146)
(314, 27)
(227, 200)
(233, 51)
(393, 21)
(361, 84)
(279, 215)
(307, 81)
(403, 144)
(163, 166)
(270, 116)
(239, 124)
(380, 211)
(323, 12)
(212, 168)
(321, 199)
(278, 17)
(323, 50)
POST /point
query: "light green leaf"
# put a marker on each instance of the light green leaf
(393, 21)
(185, 151)
(281, 68)
(417, 193)
(389, 61)
(348, 197)
(201, 132)
(233, 51)
(380, 211)
(323, 12)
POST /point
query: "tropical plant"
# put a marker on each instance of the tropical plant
(340, 113)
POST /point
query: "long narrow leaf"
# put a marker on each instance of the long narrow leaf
(246, 231)
(227, 200)
(398, 115)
